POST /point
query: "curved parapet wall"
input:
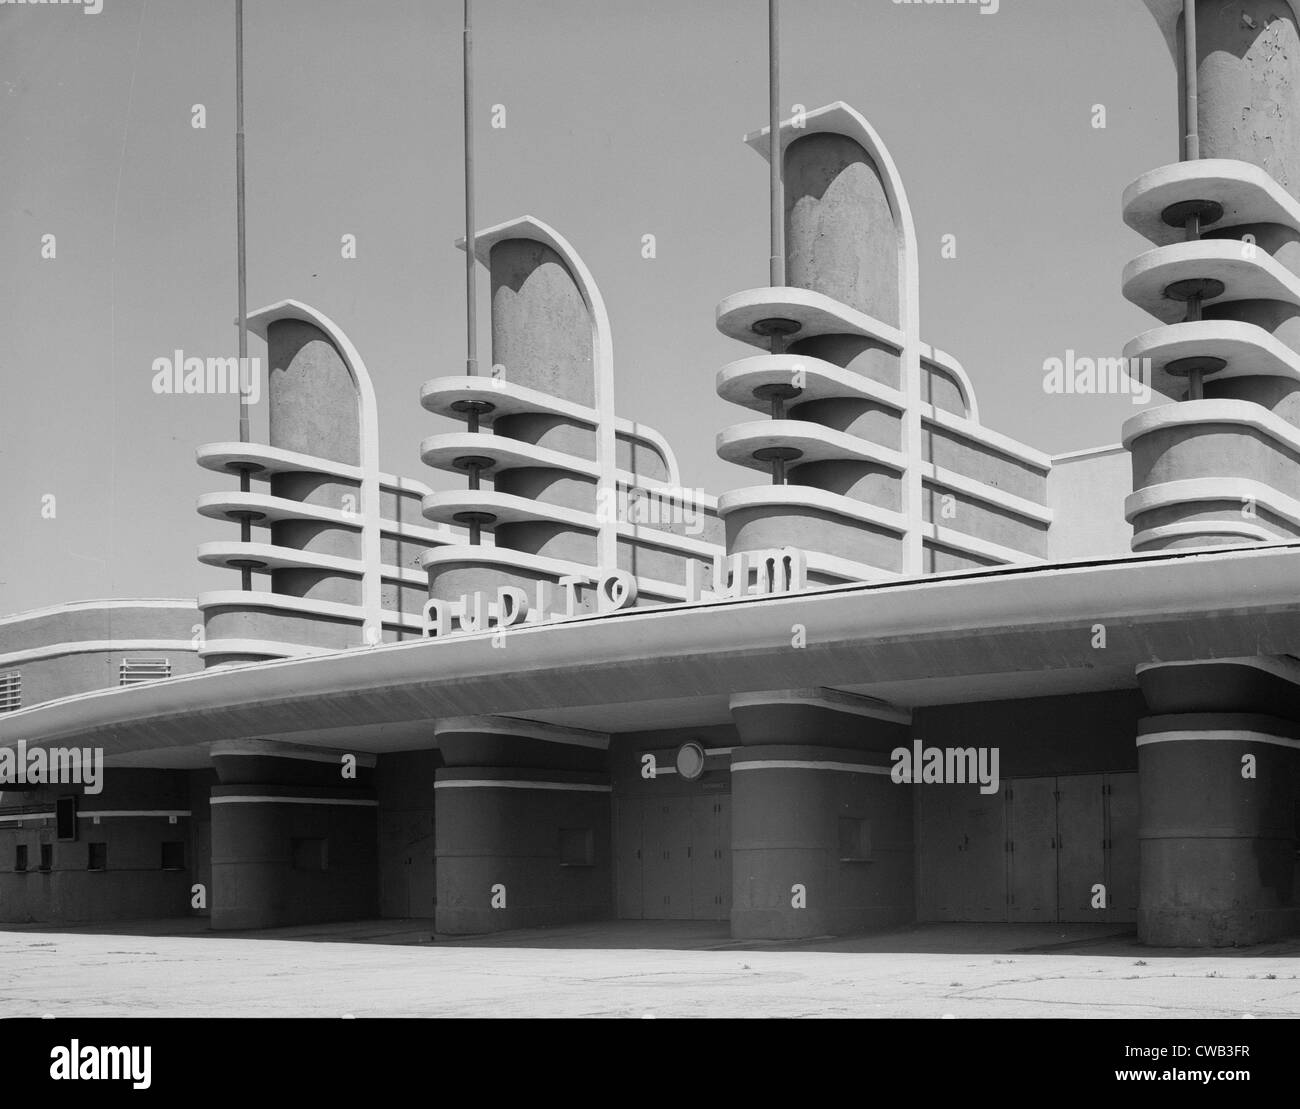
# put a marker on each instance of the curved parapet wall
(882, 463)
(49, 653)
(340, 538)
(1218, 468)
(576, 491)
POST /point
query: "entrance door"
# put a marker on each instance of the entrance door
(674, 857)
(711, 857)
(629, 902)
(665, 859)
(1122, 847)
(1031, 811)
(1081, 863)
(961, 844)
(1033, 853)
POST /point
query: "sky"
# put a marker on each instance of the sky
(622, 118)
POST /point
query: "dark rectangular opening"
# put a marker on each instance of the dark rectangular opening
(173, 855)
(65, 818)
(20, 857)
(97, 856)
(47, 856)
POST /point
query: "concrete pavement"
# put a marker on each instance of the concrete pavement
(631, 969)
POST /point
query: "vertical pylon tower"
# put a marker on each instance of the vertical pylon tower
(1219, 756)
(1221, 466)
(878, 465)
(840, 381)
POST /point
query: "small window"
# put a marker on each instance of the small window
(577, 847)
(20, 857)
(855, 840)
(65, 818)
(97, 856)
(136, 670)
(11, 691)
(308, 854)
(173, 855)
(47, 856)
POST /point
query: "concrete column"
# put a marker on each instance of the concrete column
(821, 835)
(294, 840)
(521, 849)
(821, 843)
(1217, 805)
(522, 826)
(1248, 71)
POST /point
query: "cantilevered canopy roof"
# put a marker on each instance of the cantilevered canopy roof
(975, 635)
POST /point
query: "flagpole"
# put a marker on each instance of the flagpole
(245, 482)
(1191, 96)
(777, 265)
(776, 329)
(474, 408)
(471, 299)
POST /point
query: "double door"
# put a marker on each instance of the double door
(1053, 849)
(1072, 848)
(674, 857)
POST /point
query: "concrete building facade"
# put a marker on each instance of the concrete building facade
(919, 671)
